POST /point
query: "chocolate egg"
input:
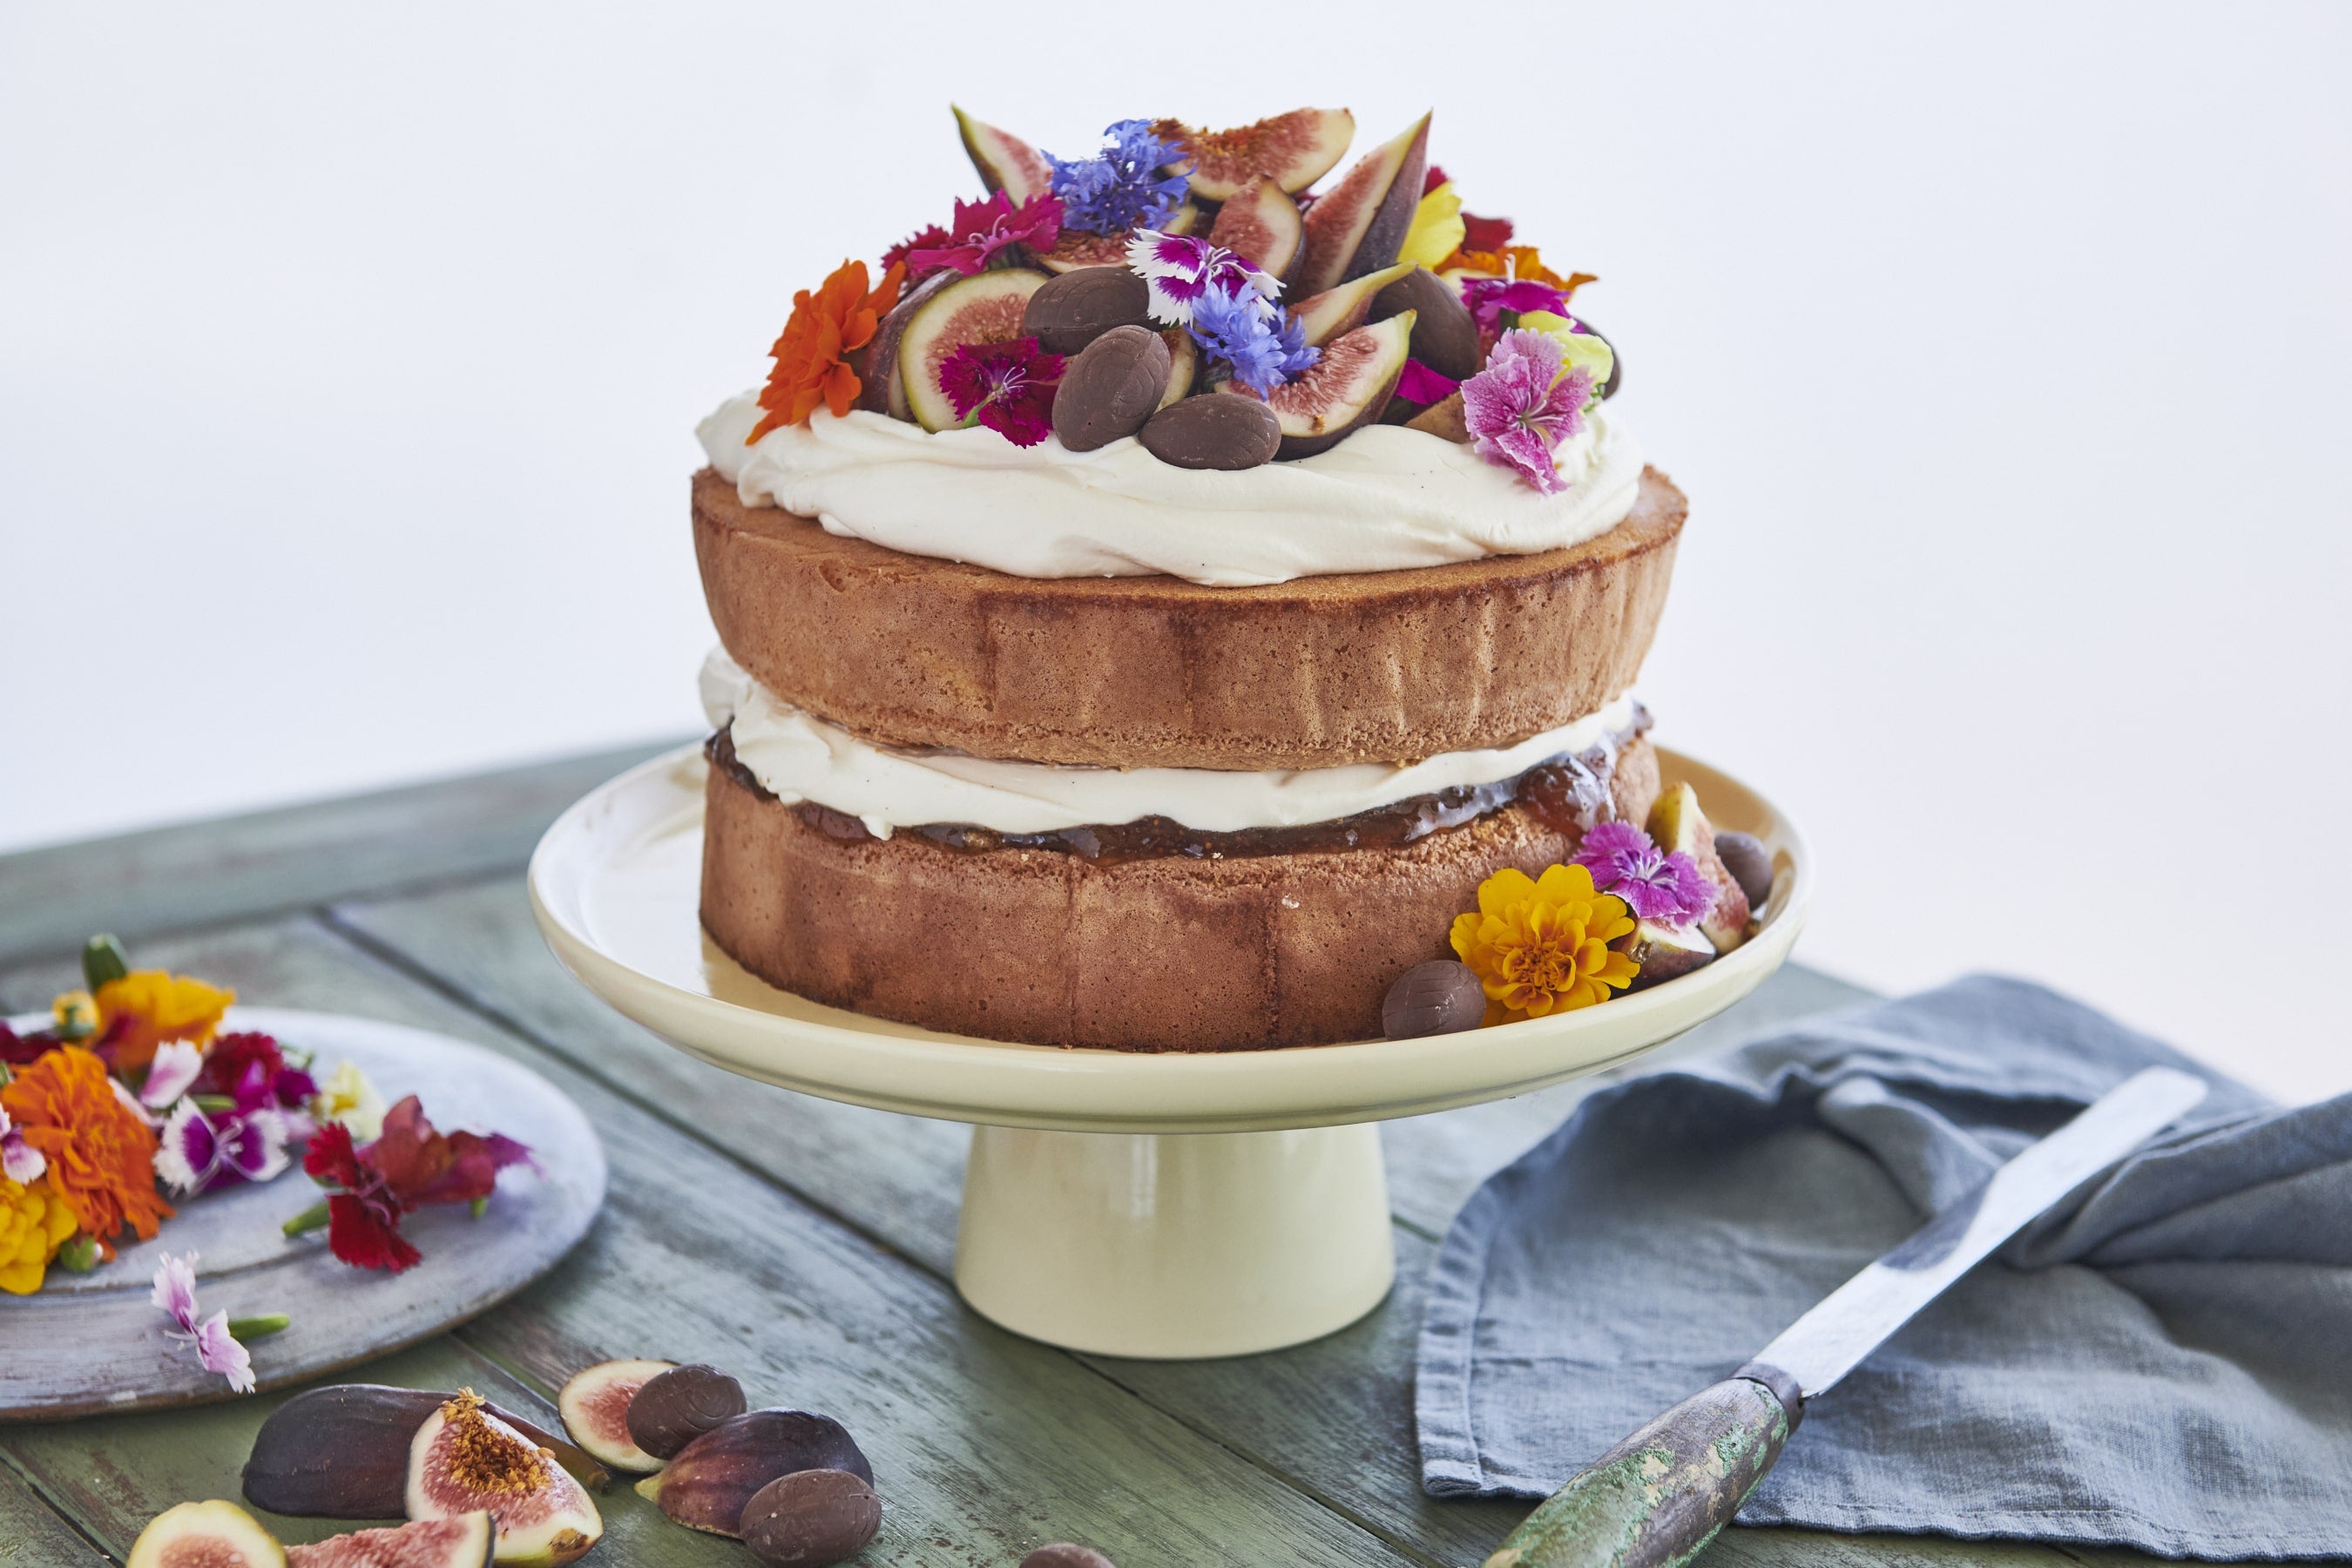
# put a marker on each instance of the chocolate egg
(1445, 333)
(1077, 307)
(673, 1408)
(811, 1518)
(1440, 997)
(1215, 430)
(1111, 388)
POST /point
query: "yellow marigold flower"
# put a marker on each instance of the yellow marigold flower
(157, 1005)
(1437, 229)
(34, 1223)
(76, 1013)
(1542, 945)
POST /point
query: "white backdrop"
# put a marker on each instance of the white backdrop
(348, 358)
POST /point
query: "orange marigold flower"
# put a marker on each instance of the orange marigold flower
(1515, 262)
(101, 1154)
(1542, 945)
(147, 1006)
(813, 355)
(34, 1223)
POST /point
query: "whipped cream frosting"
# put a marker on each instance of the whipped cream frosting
(799, 757)
(1383, 499)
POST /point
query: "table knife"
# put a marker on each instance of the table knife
(1661, 1495)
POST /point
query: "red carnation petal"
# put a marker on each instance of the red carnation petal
(365, 1239)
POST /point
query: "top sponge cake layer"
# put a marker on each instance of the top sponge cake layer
(1157, 672)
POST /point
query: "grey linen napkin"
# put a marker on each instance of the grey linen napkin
(2163, 1362)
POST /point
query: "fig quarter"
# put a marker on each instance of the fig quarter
(1111, 388)
(1077, 307)
(1215, 430)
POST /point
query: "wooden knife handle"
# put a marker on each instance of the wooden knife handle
(1658, 1497)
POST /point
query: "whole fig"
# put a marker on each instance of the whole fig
(707, 1486)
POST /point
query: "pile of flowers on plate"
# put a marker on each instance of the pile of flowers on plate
(135, 1097)
(1634, 907)
(1189, 288)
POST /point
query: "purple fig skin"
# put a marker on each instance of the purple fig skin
(678, 1406)
(811, 1518)
(342, 1452)
(707, 1486)
(877, 364)
(1385, 237)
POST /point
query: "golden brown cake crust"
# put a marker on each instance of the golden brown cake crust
(1158, 672)
(1165, 955)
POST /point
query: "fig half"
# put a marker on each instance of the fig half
(464, 1460)
(342, 1452)
(216, 1534)
(1261, 224)
(1293, 150)
(708, 1485)
(984, 309)
(1338, 312)
(595, 1406)
(1005, 161)
(467, 1540)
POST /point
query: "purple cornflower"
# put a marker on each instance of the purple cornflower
(1520, 407)
(1669, 889)
(1261, 343)
(1122, 186)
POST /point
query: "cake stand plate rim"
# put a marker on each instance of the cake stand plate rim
(637, 825)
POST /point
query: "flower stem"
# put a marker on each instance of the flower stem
(257, 1326)
(479, 1206)
(310, 1219)
(212, 1104)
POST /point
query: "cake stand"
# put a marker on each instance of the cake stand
(1167, 1206)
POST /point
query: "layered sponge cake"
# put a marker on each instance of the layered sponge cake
(1151, 611)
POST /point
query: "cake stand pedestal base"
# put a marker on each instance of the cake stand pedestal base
(1174, 1245)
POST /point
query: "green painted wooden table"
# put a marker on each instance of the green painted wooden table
(804, 1245)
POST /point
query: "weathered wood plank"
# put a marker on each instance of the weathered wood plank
(236, 867)
(33, 1534)
(1334, 1417)
(985, 1445)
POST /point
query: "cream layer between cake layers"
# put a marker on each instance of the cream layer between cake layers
(798, 757)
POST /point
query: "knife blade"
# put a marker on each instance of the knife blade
(1659, 1496)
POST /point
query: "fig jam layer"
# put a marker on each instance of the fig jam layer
(1567, 793)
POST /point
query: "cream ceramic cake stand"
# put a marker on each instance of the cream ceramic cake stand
(1166, 1207)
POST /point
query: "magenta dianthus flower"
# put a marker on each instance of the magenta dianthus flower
(1520, 406)
(1669, 889)
(981, 229)
(1180, 269)
(1009, 388)
(1488, 298)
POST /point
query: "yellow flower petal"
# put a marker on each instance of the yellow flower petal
(1501, 893)
(1437, 230)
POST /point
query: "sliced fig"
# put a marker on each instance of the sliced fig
(342, 1452)
(1262, 224)
(464, 1459)
(1079, 248)
(1335, 312)
(1348, 388)
(681, 1404)
(1445, 333)
(595, 1406)
(1293, 150)
(466, 1540)
(1185, 218)
(1359, 224)
(1005, 161)
(213, 1534)
(1183, 365)
(1445, 420)
(879, 390)
(984, 309)
(706, 1486)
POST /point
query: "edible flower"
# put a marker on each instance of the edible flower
(1579, 348)
(174, 1071)
(1478, 233)
(1540, 945)
(981, 229)
(99, 1149)
(347, 1097)
(139, 1011)
(215, 1338)
(1123, 186)
(812, 355)
(35, 1223)
(1419, 384)
(1177, 270)
(1436, 229)
(1657, 886)
(20, 1050)
(1262, 344)
(251, 1070)
(408, 1168)
(1519, 262)
(19, 1161)
(199, 1150)
(1522, 406)
(930, 237)
(1008, 387)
